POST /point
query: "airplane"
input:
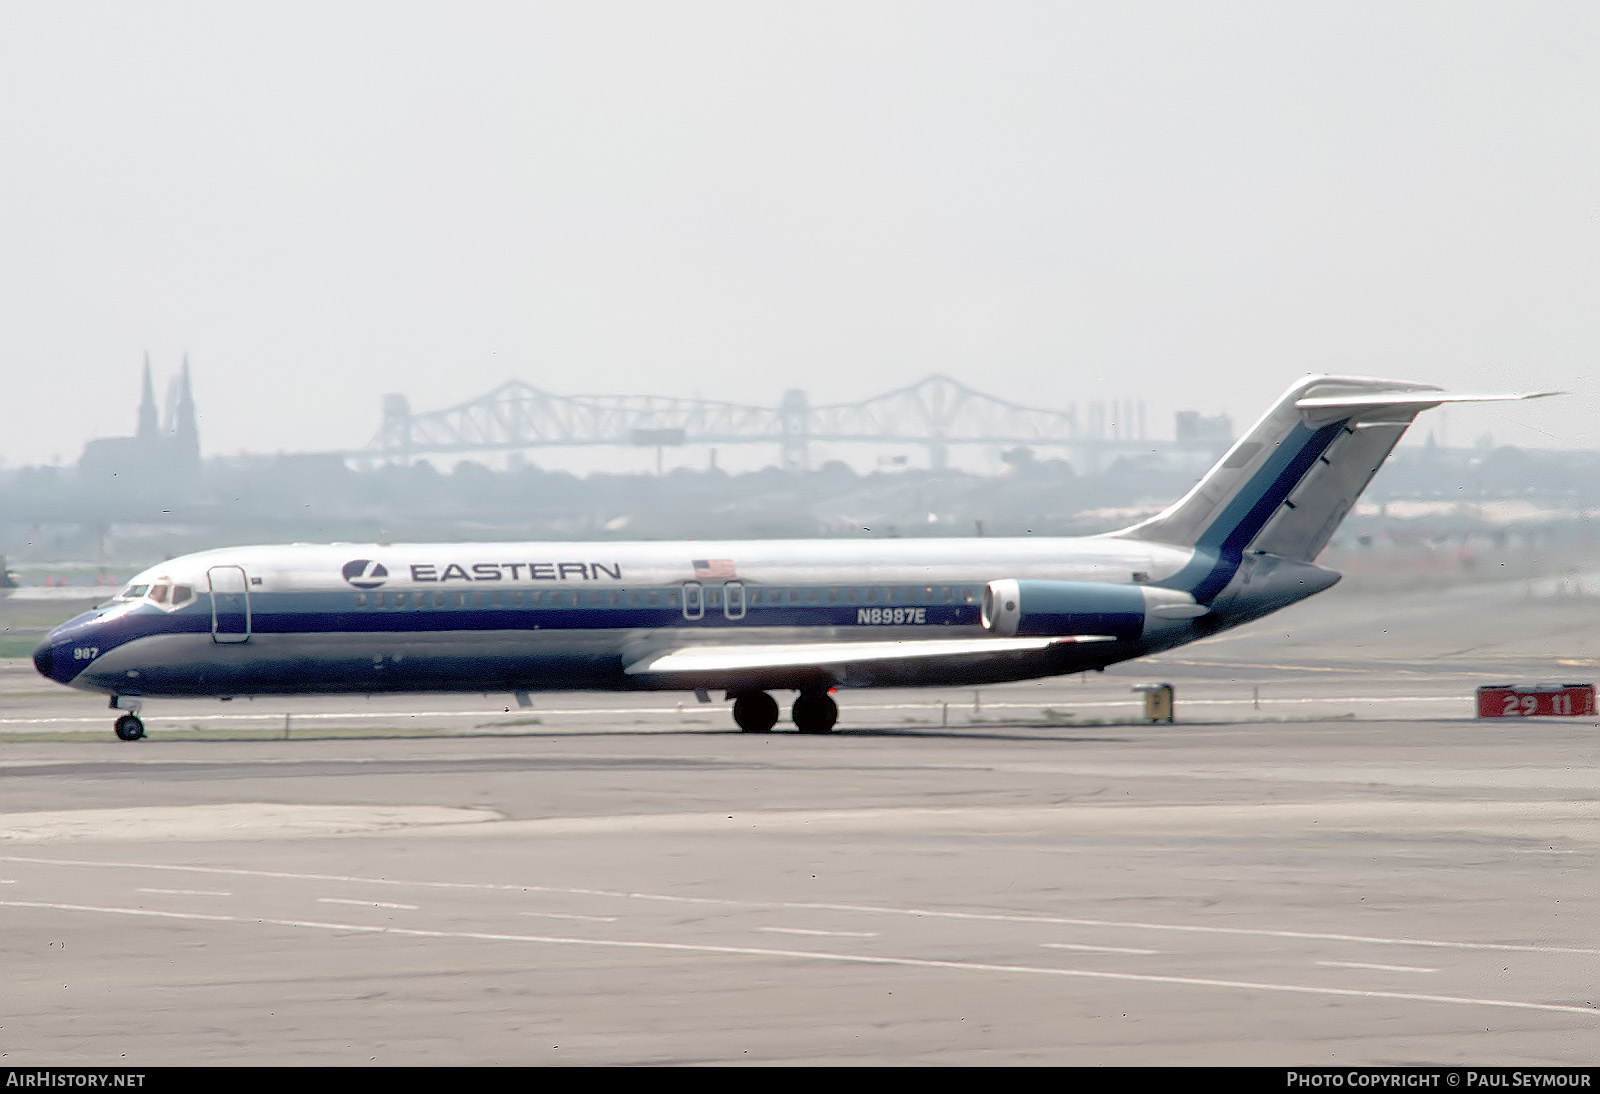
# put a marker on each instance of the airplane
(751, 617)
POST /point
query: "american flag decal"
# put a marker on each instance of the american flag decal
(713, 567)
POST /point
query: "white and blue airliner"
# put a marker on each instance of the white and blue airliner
(748, 618)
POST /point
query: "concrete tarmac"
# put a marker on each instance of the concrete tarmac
(1326, 861)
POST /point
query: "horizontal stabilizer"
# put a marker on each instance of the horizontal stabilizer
(802, 655)
(1327, 408)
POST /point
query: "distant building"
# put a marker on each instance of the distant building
(1196, 430)
(161, 452)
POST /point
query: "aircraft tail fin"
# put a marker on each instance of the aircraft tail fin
(1284, 486)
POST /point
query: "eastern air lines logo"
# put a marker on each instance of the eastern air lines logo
(363, 573)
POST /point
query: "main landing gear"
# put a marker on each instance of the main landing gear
(128, 727)
(813, 712)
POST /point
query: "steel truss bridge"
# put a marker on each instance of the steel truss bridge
(934, 413)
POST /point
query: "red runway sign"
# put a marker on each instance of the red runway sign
(1527, 700)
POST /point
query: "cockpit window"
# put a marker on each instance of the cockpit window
(165, 593)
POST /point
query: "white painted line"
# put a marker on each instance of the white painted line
(366, 903)
(1095, 949)
(813, 955)
(871, 909)
(323, 716)
(186, 892)
(571, 915)
(413, 716)
(1366, 965)
(1550, 851)
(827, 934)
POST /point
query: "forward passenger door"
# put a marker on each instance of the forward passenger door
(230, 604)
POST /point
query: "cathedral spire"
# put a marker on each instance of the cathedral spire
(186, 432)
(149, 427)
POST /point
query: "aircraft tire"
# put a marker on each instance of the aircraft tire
(755, 712)
(815, 713)
(129, 728)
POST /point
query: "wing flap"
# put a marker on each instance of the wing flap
(799, 655)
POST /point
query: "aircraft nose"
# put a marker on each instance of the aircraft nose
(43, 658)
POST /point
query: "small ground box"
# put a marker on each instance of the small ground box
(1157, 701)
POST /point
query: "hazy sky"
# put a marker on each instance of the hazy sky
(1190, 203)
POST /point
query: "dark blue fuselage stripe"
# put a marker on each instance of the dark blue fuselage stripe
(1269, 488)
(1219, 547)
(324, 613)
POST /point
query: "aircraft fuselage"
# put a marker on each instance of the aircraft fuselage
(568, 616)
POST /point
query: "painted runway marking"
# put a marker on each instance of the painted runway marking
(416, 718)
(572, 915)
(186, 892)
(276, 720)
(1367, 965)
(825, 934)
(366, 903)
(1440, 670)
(813, 955)
(1095, 949)
(1549, 851)
(871, 909)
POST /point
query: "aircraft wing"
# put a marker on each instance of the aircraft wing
(802, 655)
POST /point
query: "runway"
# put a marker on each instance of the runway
(1327, 860)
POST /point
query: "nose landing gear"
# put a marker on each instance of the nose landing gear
(128, 727)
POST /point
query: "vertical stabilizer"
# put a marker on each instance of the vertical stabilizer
(1283, 488)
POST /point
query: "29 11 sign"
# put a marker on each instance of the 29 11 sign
(1531, 700)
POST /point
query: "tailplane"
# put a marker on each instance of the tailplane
(1283, 488)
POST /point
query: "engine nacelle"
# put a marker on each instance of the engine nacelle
(1043, 609)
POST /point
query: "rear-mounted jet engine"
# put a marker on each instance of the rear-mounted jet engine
(1041, 609)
